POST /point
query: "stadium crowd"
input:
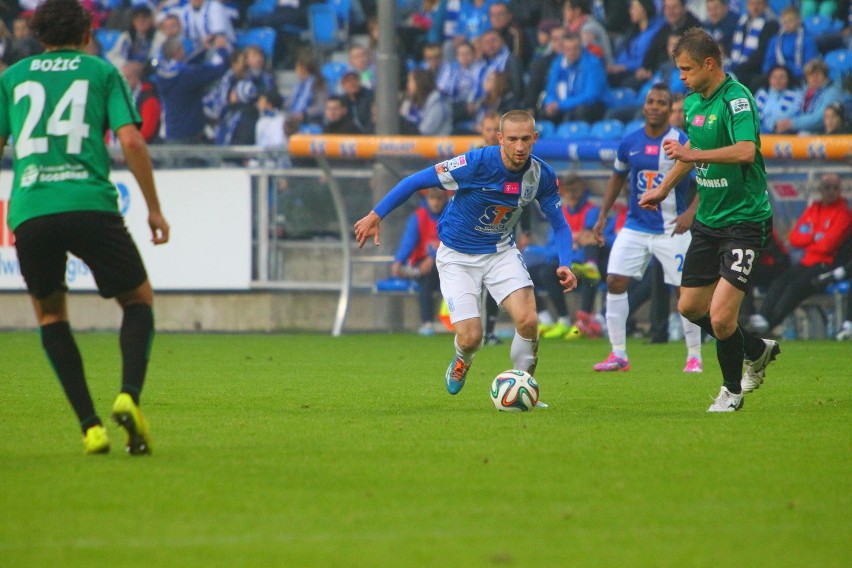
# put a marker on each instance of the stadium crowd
(199, 69)
(209, 71)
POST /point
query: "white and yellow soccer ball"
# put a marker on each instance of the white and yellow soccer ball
(514, 391)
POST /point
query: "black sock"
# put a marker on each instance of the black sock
(730, 354)
(67, 363)
(704, 323)
(753, 345)
(136, 338)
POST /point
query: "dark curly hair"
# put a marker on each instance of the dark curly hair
(61, 22)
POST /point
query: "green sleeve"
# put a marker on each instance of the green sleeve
(5, 107)
(742, 111)
(120, 107)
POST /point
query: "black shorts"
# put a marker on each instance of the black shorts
(98, 238)
(728, 252)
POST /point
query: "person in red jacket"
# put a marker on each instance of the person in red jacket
(145, 98)
(415, 257)
(820, 231)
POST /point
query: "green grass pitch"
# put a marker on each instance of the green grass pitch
(307, 450)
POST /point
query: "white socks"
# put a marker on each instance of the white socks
(617, 309)
(466, 357)
(692, 335)
(524, 353)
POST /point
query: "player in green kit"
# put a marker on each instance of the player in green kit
(56, 108)
(733, 218)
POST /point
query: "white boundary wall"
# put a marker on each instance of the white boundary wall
(210, 246)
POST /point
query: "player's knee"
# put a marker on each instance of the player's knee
(722, 327)
(527, 326)
(469, 342)
(689, 310)
(616, 284)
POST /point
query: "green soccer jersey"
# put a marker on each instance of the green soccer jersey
(55, 108)
(729, 193)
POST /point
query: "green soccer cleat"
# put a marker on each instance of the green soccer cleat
(127, 415)
(96, 440)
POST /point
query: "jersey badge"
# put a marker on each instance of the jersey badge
(740, 105)
(698, 120)
(652, 150)
(450, 165)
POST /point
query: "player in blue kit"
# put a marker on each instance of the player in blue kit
(492, 185)
(663, 233)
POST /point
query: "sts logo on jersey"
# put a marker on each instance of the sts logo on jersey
(495, 219)
(648, 179)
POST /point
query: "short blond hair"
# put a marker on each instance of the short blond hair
(516, 116)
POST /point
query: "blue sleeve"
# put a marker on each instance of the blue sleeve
(591, 217)
(550, 91)
(409, 239)
(562, 235)
(405, 189)
(593, 86)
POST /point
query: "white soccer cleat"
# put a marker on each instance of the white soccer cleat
(726, 402)
(755, 371)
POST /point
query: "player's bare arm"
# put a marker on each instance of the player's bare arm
(566, 278)
(368, 226)
(741, 152)
(613, 188)
(139, 162)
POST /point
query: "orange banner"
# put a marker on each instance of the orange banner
(434, 147)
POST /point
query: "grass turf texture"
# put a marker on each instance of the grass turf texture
(314, 451)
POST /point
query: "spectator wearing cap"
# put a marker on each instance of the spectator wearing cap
(182, 86)
(820, 92)
(644, 24)
(238, 121)
(359, 99)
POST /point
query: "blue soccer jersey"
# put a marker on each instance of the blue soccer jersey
(489, 199)
(645, 160)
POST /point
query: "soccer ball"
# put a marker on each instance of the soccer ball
(514, 391)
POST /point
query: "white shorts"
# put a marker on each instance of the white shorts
(632, 252)
(463, 276)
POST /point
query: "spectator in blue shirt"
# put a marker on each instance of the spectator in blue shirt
(182, 86)
(576, 85)
(793, 46)
(644, 25)
(780, 100)
(819, 93)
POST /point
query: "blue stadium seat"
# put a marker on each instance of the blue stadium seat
(620, 97)
(546, 128)
(264, 38)
(343, 9)
(607, 130)
(573, 129)
(634, 125)
(260, 8)
(322, 26)
(332, 72)
(106, 38)
(839, 63)
(310, 129)
(818, 25)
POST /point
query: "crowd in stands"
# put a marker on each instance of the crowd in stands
(203, 65)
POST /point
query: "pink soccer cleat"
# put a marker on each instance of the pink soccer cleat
(613, 363)
(693, 365)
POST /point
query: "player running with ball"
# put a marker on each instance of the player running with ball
(492, 185)
(733, 219)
